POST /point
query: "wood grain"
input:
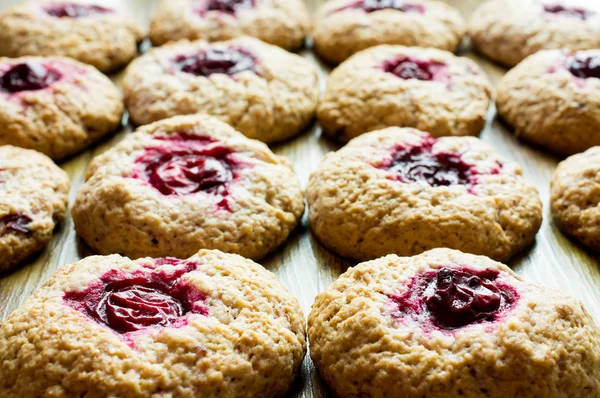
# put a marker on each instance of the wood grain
(302, 264)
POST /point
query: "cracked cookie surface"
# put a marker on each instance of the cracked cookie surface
(214, 324)
(187, 183)
(399, 190)
(424, 88)
(33, 199)
(371, 332)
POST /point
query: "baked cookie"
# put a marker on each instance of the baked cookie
(552, 99)
(87, 31)
(400, 191)
(507, 31)
(184, 184)
(428, 89)
(575, 197)
(261, 90)
(283, 23)
(213, 325)
(345, 27)
(449, 324)
(55, 105)
(33, 199)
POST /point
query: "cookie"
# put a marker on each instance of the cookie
(400, 191)
(261, 90)
(283, 23)
(449, 324)
(552, 99)
(184, 184)
(213, 325)
(345, 27)
(55, 105)
(575, 195)
(384, 86)
(33, 199)
(87, 31)
(508, 31)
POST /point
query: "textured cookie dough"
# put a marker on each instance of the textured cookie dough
(552, 99)
(214, 325)
(184, 184)
(33, 199)
(55, 105)
(372, 335)
(575, 197)
(345, 27)
(400, 191)
(261, 90)
(88, 31)
(283, 23)
(507, 31)
(439, 93)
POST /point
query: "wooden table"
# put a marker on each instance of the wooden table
(302, 264)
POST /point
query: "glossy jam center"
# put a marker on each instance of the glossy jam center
(74, 10)
(411, 68)
(584, 65)
(452, 298)
(377, 5)
(573, 12)
(28, 76)
(189, 164)
(229, 6)
(144, 299)
(421, 163)
(15, 223)
(227, 61)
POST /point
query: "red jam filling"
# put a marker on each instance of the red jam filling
(187, 164)
(377, 5)
(28, 76)
(584, 65)
(228, 61)
(453, 298)
(411, 68)
(74, 10)
(572, 12)
(149, 298)
(15, 223)
(227, 6)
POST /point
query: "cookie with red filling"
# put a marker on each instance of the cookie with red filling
(33, 199)
(283, 23)
(552, 99)
(575, 195)
(450, 324)
(261, 90)
(424, 88)
(508, 31)
(88, 31)
(345, 27)
(184, 184)
(212, 325)
(55, 105)
(401, 191)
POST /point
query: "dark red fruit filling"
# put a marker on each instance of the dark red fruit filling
(452, 298)
(16, 223)
(421, 163)
(228, 61)
(187, 164)
(74, 10)
(27, 77)
(574, 12)
(229, 6)
(140, 300)
(584, 65)
(376, 5)
(412, 68)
